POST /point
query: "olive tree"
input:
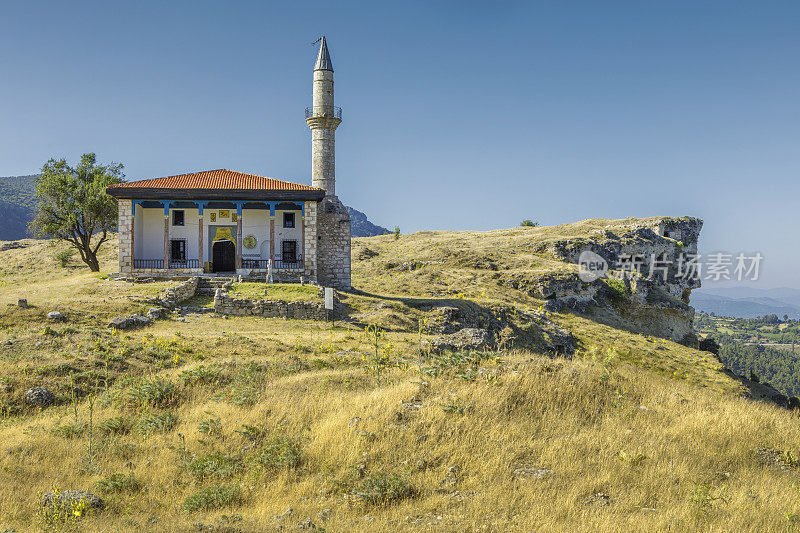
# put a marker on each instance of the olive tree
(74, 206)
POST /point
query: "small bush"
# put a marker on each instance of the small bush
(64, 257)
(156, 423)
(383, 488)
(203, 375)
(212, 466)
(618, 290)
(68, 431)
(156, 392)
(117, 483)
(529, 224)
(115, 426)
(211, 427)
(279, 453)
(212, 498)
(396, 232)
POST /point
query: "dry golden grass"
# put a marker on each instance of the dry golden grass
(627, 449)
(636, 434)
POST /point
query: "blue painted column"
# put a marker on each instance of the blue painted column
(134, 203)
(238, 235)
(200, 241)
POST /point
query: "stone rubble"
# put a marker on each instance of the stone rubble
(39, 397)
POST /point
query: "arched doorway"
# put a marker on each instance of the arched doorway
(223, 256)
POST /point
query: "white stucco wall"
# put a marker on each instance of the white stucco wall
(188, 231)
(149, 231)
(255, 222)
(282, 234)
(149, 239)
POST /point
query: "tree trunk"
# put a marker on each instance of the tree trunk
(90, 258)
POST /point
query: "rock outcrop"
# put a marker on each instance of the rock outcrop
(643, 275)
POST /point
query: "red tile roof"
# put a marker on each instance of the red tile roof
(216, 179)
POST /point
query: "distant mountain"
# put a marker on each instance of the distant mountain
(361, 227)
(17, 206)
(784, 294)
(744, 302)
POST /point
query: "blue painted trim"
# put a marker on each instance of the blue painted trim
(271, 209)
(303, 210)
(239, 209)
(167, 205)
(200, 206)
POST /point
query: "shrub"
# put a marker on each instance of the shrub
(382, 488)
(156, 423)
(64, 257)
(115, 426)
(202, 375)
(68, 431)
(618, 290)
(211, 427)
(156, 392)
(529, 224)
(278, 453)
(396, 232)
(212, 466)
(116, 483)
(212, 498)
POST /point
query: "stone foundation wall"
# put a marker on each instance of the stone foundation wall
(164, 273)
(333, 239)
(301, 310)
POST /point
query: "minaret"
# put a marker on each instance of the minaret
(323, 119)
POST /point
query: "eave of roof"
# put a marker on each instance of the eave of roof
(149, 193)
(221, 184)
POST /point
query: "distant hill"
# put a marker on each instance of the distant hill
(18, 205)
(361, 227)
(742, 302)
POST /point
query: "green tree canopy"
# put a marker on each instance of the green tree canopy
(74, 206)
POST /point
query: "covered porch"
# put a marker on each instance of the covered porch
(183, 237)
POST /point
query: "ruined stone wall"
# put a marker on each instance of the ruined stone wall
(333, 244)
(175, 295)
(301, 310)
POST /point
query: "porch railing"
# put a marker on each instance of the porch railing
(263, 264)
(159, 263)
(186, 263)
(289, 265)
(148, 263)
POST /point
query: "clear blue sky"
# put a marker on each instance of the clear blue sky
(457, 115)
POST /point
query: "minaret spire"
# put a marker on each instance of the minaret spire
(324, 57)
(323, 118)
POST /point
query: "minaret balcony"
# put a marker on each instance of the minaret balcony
(324, 111)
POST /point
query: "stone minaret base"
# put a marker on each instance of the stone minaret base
(333, 251)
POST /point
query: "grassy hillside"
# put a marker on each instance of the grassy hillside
(249, 424)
